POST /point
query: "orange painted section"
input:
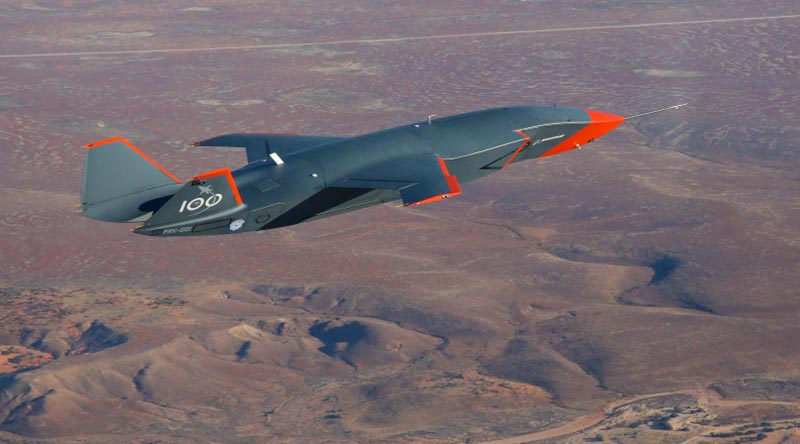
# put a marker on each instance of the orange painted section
(212, 173)
(235, 189)
(137, 151)
(452, 183)
(601, 123)
(524, 144)
(428, 200)
(220, 172)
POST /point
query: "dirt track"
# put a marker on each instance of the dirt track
(398, 39)
(706, 399)
(580, 424)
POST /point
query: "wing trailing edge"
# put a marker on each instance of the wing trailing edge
(420, 179)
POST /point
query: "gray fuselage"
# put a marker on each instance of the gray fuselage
(305, 186)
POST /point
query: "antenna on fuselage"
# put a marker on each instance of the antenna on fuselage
(430, 118)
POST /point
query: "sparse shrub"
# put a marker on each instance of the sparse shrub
(7, 351)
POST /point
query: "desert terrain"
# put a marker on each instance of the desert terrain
(645, 289)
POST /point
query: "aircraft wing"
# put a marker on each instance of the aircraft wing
(260, 146)
(420, 179)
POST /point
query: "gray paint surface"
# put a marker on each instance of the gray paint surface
(318, 176)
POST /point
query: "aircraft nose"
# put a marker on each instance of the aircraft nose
(600, 124)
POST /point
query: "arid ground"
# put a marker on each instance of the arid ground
(644, 289)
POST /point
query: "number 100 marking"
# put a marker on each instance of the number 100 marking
(198, 202)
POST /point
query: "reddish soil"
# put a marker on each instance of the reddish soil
(663, 258)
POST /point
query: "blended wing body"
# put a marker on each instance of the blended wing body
(291, 179)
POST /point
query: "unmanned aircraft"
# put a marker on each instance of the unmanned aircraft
(291, 179)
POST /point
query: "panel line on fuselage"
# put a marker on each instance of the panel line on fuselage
(483, 150)
(520, 140)
(555, 124)
(548, 139)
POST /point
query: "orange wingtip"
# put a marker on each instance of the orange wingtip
(136, 150)
(231, 182)
(452, 183)
(431, 199)
(106, 142)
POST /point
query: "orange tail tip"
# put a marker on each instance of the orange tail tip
(135, 150)
(229, 176)
(119, 181)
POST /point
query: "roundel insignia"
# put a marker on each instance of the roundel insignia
(236, 225)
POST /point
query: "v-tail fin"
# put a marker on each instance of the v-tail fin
(122, 184)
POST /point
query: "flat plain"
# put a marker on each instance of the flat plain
(644, 289)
